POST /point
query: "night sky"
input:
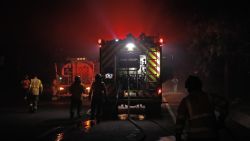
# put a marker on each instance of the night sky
(73, 27)
(37, 33)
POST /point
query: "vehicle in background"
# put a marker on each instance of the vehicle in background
(74, 67)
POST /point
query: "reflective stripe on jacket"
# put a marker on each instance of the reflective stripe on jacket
(201, 122)
(197, 111)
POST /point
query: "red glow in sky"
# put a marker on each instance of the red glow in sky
(79, 25)
(46, 30)
(76, 26)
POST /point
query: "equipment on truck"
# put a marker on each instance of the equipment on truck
(72, 68)
(132, 72)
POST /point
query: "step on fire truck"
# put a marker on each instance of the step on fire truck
(132, 73)
(71, 68)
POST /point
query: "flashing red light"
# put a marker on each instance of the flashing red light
(99, 41)
(159, 91)
(161, 40)
(61, 88)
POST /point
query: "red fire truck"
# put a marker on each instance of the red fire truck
(74, 67)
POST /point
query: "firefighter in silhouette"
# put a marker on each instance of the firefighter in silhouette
(36, 88)
(25, 86)
(76, 89)
(195, 114)
(98, 97)
(54, 89)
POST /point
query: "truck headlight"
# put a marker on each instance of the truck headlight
(61, 88)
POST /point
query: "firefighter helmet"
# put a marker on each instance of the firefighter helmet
(77, 78)
(193, 83)
(98, 76)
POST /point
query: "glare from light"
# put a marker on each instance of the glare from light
(59, 137)
(125, 94)
(116, 40)
(61, 88)
(161, 40)
(141, 117)
(87, 125)
(99, 41)
(123, 116)
(158, 64)
(130, 46)
(159, 91)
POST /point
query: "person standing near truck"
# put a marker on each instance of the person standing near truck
(98, 97)
(36, 88)
(195, 114)
(25, 86)
(54, 89)
(76, 90)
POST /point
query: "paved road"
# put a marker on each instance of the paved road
(52, 122)
(17, 122)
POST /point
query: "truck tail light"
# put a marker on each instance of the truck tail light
(159, 91)
(61, 88)
(88, 89)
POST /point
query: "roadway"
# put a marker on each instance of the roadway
(51, 122)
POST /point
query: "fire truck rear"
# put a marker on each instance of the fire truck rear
(132, 73)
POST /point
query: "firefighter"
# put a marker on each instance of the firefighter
(195, 114)
(76, 89)
(98, 97)
(54, 89)
(36, 88)
(25, 86)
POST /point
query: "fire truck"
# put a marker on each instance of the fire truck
(67, 71)
(131, 68)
